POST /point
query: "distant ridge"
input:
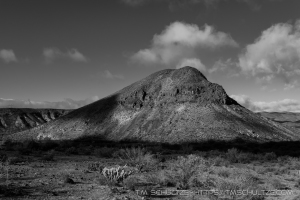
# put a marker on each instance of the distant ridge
(14, 120)
(169, 106)
(290, 119)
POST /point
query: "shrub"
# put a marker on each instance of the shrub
(156, 179)
(137, 157)
(71, 150)
(270, 156)
(219, 161)
(16, 160)
(96, 166)
(278, 185)
(49, 156)
(235, 180)
(232, 155)
(131, 182)
(104, 152)
(184, 170)
(85, 150)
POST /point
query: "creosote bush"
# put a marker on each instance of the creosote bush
(137, 157)
(183, 171)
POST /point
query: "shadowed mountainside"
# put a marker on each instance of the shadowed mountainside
(13, 120)
(286, 118)
(169, 106)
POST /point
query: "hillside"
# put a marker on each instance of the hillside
(14, 120)
(170, 106)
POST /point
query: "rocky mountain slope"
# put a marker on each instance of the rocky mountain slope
(170, 106)
(286, 118)
(13, 120)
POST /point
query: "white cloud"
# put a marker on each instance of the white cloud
(52, 54)
(285, 105)
(8, 56)
(65, 104)
(180, 40)
(192, 62)
(225, 65)
(75, 55)
(276, 53)
(109, 75)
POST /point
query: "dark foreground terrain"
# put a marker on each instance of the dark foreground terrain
(74, 170)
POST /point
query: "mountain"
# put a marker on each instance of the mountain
(286, 118)
(169, 106)
(14, 120)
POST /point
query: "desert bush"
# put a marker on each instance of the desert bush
(49, 156)
(232, 155)
(156, 178)
(219, 161)
(184, 170)
(235, 180)
(224, 172)
(278, 185)
(137, 157)
(96, 166)
(16, 160)
(131, 182)
(82, 150)
(71, 150)
(235, 156)
(270, 156)
(104, 152)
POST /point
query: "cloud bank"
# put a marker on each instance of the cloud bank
(52, 54)
(65, 104)
(286, 105)
(8, 55)
(179, 41)
(275, 54)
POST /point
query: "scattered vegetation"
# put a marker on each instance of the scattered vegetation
(136, 166)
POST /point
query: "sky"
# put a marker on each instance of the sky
(69, 53)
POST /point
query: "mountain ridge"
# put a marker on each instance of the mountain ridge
(14, 120)
(172, 105)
